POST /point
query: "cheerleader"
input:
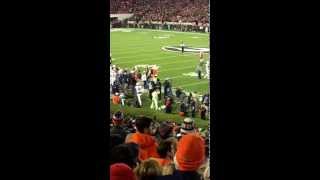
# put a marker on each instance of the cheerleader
(154, 71)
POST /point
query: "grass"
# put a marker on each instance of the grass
(144, 47)
(160, 116)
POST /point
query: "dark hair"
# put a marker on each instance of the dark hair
(118, 115)
(123, 153)
(134, 149)
(143, 122)
(163, 148)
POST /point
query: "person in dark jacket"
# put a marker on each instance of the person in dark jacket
(189, 98)
(158, 87)
(193, 108)
(183, 109)
(205, 100)
(168, 105)
(115, 87)
(151, 86)
(118, 128)
(203, 111)
(125, 153)
(167, 89)
(178, 92)
(182, 47)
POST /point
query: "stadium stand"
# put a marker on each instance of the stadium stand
(163, 10)
(143, 148)
(164, 14)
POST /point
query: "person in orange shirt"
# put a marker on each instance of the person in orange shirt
(116, 98)
(147, 143)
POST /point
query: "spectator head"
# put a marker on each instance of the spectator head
(125, 153)
(165, 130)
(187, 126)
(139, 76)
(121, 171)
(167, 149)
(117, 118)
(148, 170)
(134, 150)
(143, 124)
(187, 157)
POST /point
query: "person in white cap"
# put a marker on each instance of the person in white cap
(187, 126)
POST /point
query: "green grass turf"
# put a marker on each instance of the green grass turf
(141, 47)
(131, 111)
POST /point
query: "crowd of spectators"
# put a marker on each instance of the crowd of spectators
(143, 149)
(163, 10)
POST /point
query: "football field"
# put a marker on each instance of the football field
(131, 47)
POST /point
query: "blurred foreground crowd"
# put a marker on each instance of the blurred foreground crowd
(143, 149)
